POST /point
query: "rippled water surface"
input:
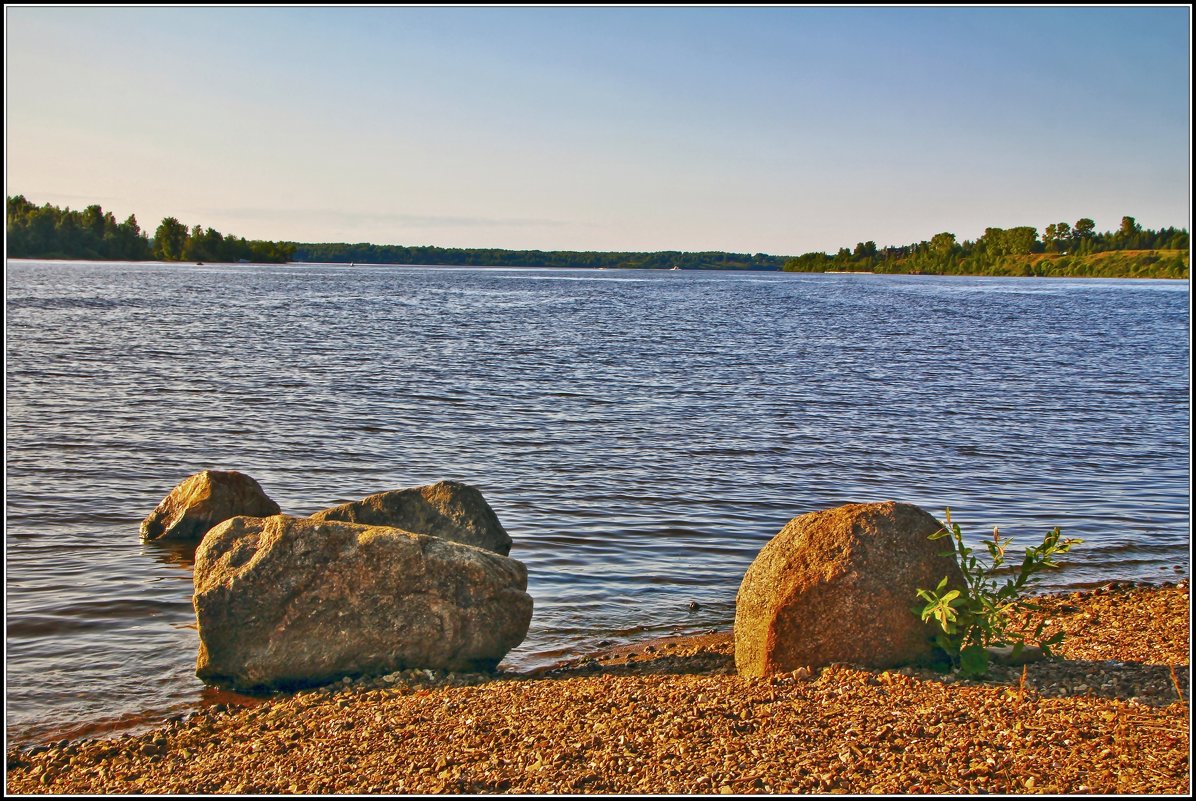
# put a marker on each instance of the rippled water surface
(641, 435)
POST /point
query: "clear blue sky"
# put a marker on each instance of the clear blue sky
(777, 130)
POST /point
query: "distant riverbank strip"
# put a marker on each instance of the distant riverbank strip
(1128, 253)
(1111, 716)
(1064, 250)
(1172, 264)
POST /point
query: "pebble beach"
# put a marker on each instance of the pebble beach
(1110, 714)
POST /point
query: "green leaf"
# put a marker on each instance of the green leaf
(1054, 639)
(973, 661)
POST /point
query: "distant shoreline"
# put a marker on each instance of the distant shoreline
(48, 232)
(584, 267)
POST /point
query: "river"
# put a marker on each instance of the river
(640, 434)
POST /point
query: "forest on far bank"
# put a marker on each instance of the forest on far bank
(365, 253)
(48, 232)
(1064, 250)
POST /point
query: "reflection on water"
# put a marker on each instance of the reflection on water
(175, 554)
(640, 435)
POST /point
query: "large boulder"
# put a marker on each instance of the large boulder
(449, 510)
(201, 501)
(285, 602)
(840, 586)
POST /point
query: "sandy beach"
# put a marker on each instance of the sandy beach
(671, 716)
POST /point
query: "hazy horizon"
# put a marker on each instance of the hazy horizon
(775, 130)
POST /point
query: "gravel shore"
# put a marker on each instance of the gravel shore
(670, 716)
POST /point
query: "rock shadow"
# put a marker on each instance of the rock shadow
(1149, 684)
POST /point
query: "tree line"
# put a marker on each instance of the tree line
(48, 232)
(1064, 249)
(364, 253)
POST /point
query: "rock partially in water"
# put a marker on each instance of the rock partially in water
(449, 510)
(284, 602)
(839, 586)
(203, 500)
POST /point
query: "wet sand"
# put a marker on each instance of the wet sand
(671, 716)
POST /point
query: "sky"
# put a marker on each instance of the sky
(780, 130)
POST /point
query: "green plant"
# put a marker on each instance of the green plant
(981, 614)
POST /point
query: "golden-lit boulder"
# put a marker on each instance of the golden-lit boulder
(449, 510)
(840, 585)
(201, 501)
(284, 602)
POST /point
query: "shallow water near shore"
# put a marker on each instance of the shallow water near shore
(640, 434)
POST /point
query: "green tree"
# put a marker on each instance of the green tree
(1022, 239)
(131, 243)
(92, 221)
(18, 208)
(942, 245)
(193, 248)
(67, 233)
(41, 230)
(1066, 238)
(169, 240)
(864, 250)
(1129, 235)
(1057, 237)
